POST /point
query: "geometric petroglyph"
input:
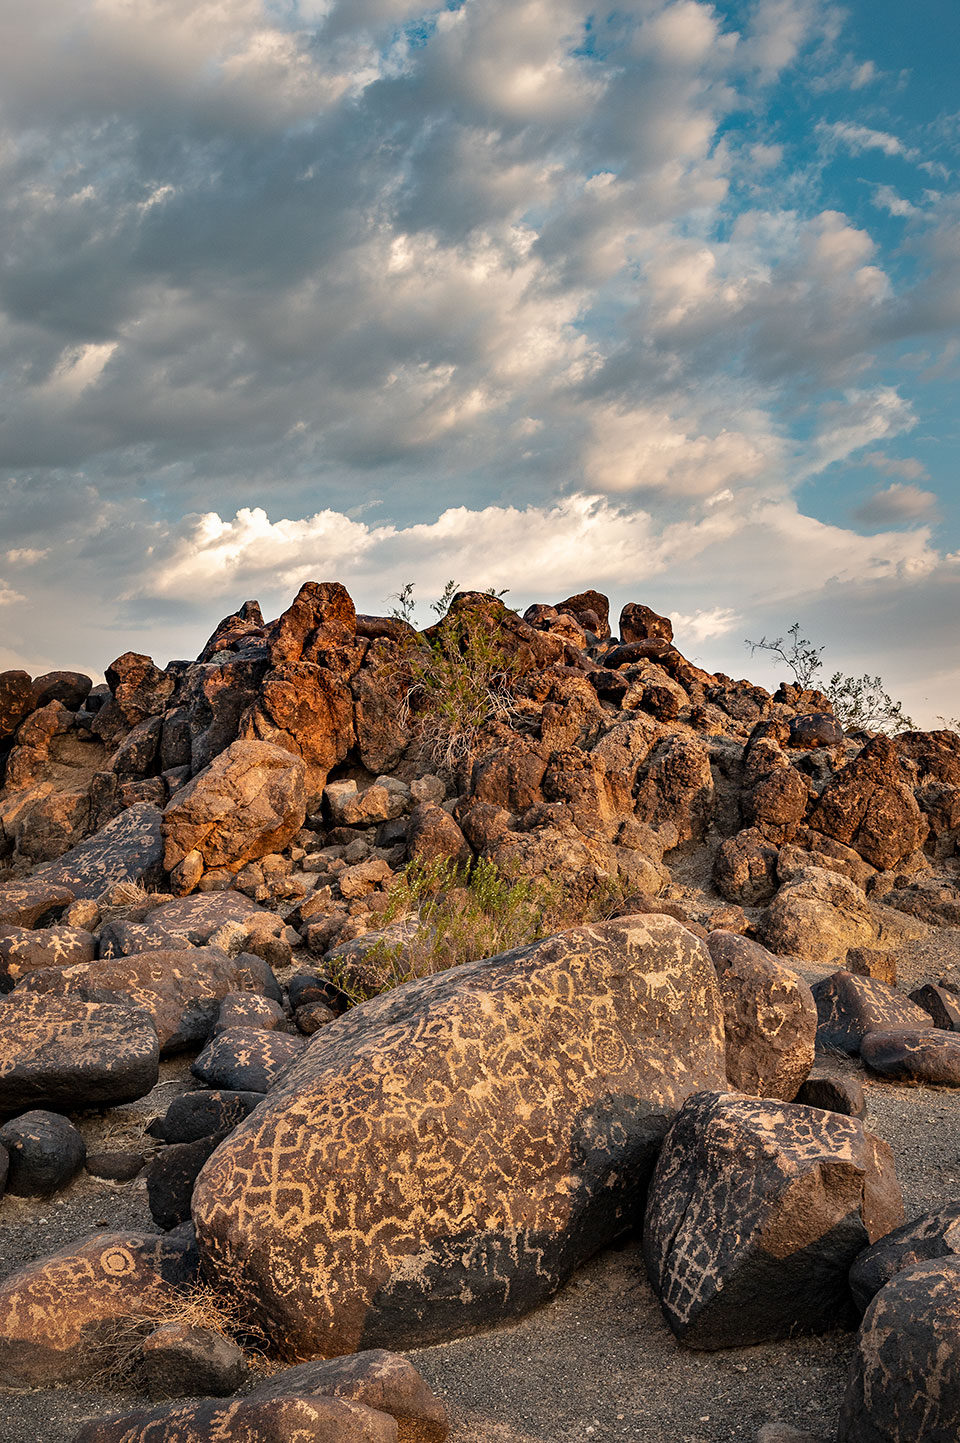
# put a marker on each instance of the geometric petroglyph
(52, 1310)
(755, 1213)
(128, 849)
(277, 1420)
(66, 1053)
(445, 1155)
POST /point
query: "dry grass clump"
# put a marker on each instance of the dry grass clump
(130, 901)
(464, 914)
(116, 1353)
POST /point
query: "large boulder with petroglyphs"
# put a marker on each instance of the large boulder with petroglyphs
(446, 1155)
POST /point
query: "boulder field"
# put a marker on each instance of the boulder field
(256, 868)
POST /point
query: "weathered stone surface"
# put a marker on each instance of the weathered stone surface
(516, 1147)
(272, 1420)
(849, 1007)
(870, 962)
(819, 915)
(140, 689)
(833, 1091)
(829, 855)
(381, 1380)
(932, 1235)
(248, 1009)
(177, 923)
(816, 729)
(870, 807)
(640, 623)
(770, 1018)
(23, 950)
(180, 989)
(904, 1384)
(53, 1311)
(745, 869)
(308, 711)
(128, 849)
(172, 1174)
(433, 835)
(69, 687)
(755, 1214)
(941, 1003)
(25, 903)
(199, 1114)
(586, 601)
(17, 701)
(319, 623)
(119, 1166)
(678, 787)
(45, 1151)
(180, 1361)
(246, 1059)
(929, 1056)
(382, 735)
(64, 1053)
(250, 801)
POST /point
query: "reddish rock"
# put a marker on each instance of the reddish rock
(433, 835)
(870, 807)
(306, 710)
(639, 623)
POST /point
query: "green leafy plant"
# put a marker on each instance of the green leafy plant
(463, 914)
(859, 702)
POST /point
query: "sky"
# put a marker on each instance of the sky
(662, 299)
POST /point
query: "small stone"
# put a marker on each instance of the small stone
(115, 1166)
(182, 1361)
(85, 914)
(45, 1151)
(942, 1005)
(833, 1091)
(313, 1016)
(868, 962)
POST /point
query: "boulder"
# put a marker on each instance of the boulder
(932, 1235)
(246, 1059)
(819, 915)
(770, 1018)
(381, 1380)
(929, 1056)
(849, 1007)
(178, 922)
(69, 687)
(140, 689)
(941, 1003)
(200, 1114)
(816, 729)
(745, 868)
(66, 1053)
(434, 835)
(306, 710)
(517, 1145)
(904, 1382)
(248, 1009)
(179, 1360)
(677, 787)
(181, 989)
(171, 1177)
(25, 903)
(271, 1420)
(833, 1091)
(640, 623)
(55, 1311)
(45, 1151)
(756, 1211)
(128, 849)
(248, 802)
(23, 950)
(122, 1165)
(869, 806)
(17, 701)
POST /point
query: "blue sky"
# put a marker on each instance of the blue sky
(662, 299)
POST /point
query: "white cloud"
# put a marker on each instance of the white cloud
(27, 555)
(859, 138)
(886, 198)
(908, 466)
(9, 597)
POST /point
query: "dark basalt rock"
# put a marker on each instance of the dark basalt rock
(770, 1018)
(379, 1379)
(833, 1091)
(271, 1420)
(929, 1056)
(247, 1009)
(756, 1212)
(25, 903)
(45, 1152)
(178, 922)
(942, 1004)
(63, 1052)
(179, 1361)
(128, 849)
(194, 1115)
(932, 1235)
(115, 1166)
(817, 729)
(849, 1007)
(172, 1174)
(54, 1309)
(246, 1059)
(517, 1145)
(904, 1384)
(23, 950)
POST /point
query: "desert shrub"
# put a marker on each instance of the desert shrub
(456, 679)
(858, 701)
(468, 914)
(118, 1347)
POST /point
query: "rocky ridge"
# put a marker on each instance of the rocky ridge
(197, 860)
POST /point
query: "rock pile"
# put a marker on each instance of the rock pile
(203, 859)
